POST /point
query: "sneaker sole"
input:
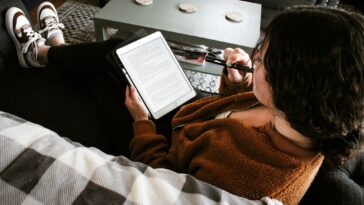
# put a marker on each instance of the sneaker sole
(9, 27)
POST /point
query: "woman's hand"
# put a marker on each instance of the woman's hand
(237, 55)
(135, 106)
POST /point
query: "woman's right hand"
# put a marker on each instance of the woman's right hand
(237, 55)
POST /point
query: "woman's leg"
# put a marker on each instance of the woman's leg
(83, 59)
(88, 68)
(85, 66)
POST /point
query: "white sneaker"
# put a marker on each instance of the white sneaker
(26, 40)
(48, 21)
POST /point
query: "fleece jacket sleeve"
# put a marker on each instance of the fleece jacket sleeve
(149, 147)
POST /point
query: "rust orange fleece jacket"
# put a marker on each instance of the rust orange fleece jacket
(225, 152)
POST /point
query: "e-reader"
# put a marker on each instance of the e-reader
(151, 67)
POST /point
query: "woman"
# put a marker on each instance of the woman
(307, 99)
(307, 102)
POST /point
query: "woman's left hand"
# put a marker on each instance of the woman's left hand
(135, 106)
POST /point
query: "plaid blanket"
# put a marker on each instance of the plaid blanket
(39, 167)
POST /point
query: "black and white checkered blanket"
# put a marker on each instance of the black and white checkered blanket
(39, 167)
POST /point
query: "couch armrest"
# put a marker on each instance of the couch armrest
(280, 4)
(342, 185)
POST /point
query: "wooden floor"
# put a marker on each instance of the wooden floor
(33, 12)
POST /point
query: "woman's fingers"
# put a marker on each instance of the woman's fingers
(239, 50)
(227, 52)
(235, 75)
(236, 55)
(135, 106)
(127, 95)
(134, 94)
(131, 95)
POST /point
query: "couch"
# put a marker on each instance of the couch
(271, 8)
(37, 166)
(44, 97)
(338, 184)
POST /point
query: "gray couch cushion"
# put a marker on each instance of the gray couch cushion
(279, 4)
(271, 8)
(342, 185)
(284, 3)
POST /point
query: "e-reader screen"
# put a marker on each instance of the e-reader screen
(151, 67)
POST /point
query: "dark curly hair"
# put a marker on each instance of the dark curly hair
(314, 62)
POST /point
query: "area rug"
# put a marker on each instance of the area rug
(77, 16)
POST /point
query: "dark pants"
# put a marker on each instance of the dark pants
(86, 67)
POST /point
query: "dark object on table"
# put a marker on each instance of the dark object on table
(102, 3)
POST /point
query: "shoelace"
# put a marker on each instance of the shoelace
(51, 23)
(33, 37)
